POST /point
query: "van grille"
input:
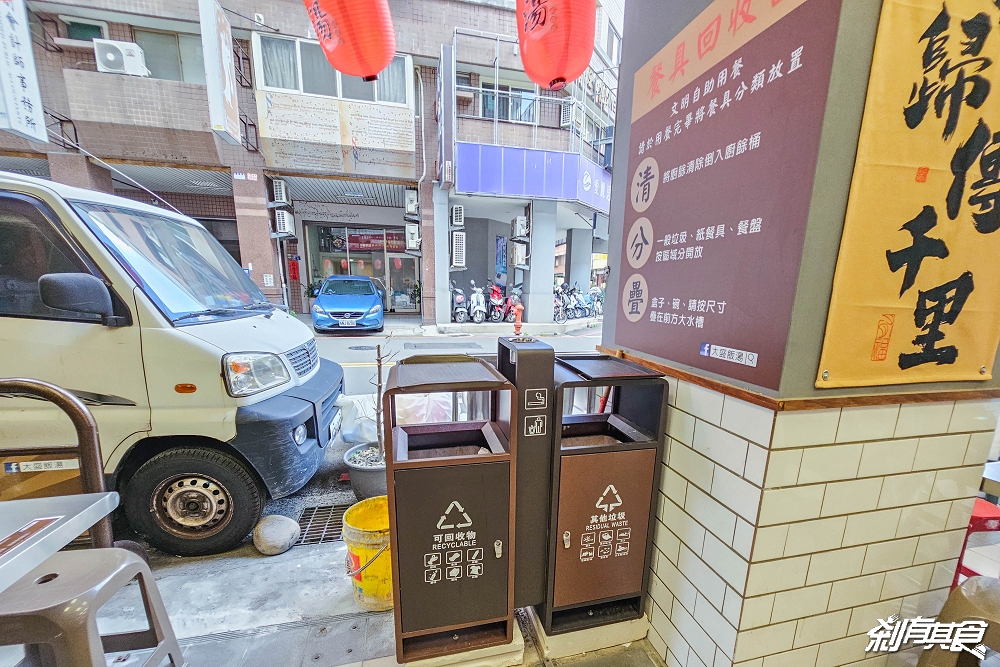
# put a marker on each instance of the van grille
(304, 358)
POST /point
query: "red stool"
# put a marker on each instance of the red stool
(985, 518)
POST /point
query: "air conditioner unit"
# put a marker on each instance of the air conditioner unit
(458, 216)
(518, 254)
(280, 192)
(565, 115)
(412, 236)
(458, 250)
(519, 227)
(412, 207)
(284, 223)
(119, 58)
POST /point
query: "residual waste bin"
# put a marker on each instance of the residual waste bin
(451, 507)
(608, 441)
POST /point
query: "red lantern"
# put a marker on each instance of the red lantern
(357, 35)
(557, 39)
(397, 262)
(378, 264)
(343, 264)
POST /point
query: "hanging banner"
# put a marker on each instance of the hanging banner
(21, 110)
(220, 71)
(723, 150)
(915, 291)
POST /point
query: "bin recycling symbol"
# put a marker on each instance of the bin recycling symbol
(605, 503)
(445, 522)
(607, 534)
(451, 559)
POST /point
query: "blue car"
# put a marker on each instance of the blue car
(348, 303)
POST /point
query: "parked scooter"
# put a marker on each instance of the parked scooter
(584, 298)
(597, 298)
(559, 307)
(459, 306)
(513, 298)
(477, 304)
(496, 307)
(574, 307)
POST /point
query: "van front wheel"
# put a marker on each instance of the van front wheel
(193, 502)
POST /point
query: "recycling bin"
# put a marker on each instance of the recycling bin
(608, 442)
(451, 506)
(528, 364)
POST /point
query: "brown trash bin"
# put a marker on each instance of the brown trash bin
(451, 508)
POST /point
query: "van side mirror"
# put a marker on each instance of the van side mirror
(77, 292)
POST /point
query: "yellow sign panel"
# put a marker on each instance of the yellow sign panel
(917, 286)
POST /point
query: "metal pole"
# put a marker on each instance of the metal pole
(88, 443)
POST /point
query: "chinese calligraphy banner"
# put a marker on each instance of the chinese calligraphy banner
(915, 291)
(21, 109)
(721, 173)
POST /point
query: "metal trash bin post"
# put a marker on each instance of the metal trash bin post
(451, 488)
(528, 364)
(607, 455)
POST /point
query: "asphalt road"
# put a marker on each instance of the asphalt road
(356, 351)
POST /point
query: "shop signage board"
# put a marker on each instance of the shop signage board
(220, 72)
(311, 133)
(726, 122)
(914, 296)
(21, 110)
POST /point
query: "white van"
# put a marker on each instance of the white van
(208, 398)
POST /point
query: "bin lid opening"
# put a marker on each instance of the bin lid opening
(604, 367)
(431, 373)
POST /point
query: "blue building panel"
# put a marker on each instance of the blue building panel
(528, 172)
(513, 170)
(534, 173)
(490, 180)
(467, 180)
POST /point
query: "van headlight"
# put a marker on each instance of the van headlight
(249, 373)
(377, 308)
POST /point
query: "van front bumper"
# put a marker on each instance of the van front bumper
(264, 430)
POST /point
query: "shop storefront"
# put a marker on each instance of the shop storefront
(373, 252)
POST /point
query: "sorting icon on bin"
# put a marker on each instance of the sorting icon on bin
(454, 573)
(432, 560)
(475, 570)
(453, 557)
(432, 576)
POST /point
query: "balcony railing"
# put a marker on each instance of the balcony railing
(529, 120)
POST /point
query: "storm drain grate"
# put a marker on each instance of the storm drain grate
(442, 346)
(321, 524)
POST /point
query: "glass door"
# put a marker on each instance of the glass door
(404, 289)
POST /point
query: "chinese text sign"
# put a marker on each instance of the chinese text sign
(915, 291)
(19, 92)
(721, 178)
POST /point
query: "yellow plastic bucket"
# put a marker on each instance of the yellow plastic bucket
(366, 532)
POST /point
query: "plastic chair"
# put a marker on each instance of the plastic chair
(985, 518)
(53, 610)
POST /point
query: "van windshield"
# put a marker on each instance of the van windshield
(178, 264)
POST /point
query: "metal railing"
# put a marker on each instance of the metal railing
(528, 118)
(531, 120)
(248, 133)
(66, 136)
(242, 64)
(88, 447)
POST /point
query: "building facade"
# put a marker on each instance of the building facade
(328, 174)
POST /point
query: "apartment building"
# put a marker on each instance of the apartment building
(302, 171)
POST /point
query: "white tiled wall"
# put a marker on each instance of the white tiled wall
(782, 537)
